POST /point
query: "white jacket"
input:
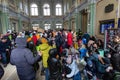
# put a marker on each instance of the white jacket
(74, 69)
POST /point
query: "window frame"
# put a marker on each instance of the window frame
(58, 25)
(47, 26)
(46, 10)
(34, 9)
(58, 10)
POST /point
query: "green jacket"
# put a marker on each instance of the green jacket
(44, 48)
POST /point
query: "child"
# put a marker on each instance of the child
(75, 73)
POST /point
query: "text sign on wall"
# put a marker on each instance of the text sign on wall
(109, 8)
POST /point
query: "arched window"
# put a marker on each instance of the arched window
(34, 10)
(47, 26)
(58, 10)
(58, 25)
(21, 6)
(46, 10)
(26, 9)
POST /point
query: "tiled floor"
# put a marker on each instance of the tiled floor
(11, 74)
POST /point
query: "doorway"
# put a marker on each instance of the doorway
(84, 17)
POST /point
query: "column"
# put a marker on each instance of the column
(80, 22)
(53, 24)
(92, 17)
(0, 23)
(69, 22)
(19, 23)
(76, 16)
(76, 21)
(88, 20)
(117, 14)
(4, 19)
(19, 18)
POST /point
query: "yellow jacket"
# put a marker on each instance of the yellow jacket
(44, 49)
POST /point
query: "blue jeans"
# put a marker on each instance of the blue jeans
(4, 57)
(46, 74)
(77, 76)
(86, 76)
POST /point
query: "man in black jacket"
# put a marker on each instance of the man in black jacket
(54, 65)
(3, 50)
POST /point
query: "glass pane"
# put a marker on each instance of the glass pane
(56, 11)
(46, 9)
(58, 5)
(36, 11)
(32, 11)
(33, 5)
(60, 11)
(20, 5)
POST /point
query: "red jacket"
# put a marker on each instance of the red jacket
(34, 38)
(69, 39)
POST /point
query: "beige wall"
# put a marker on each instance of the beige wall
(101, 15)
(65, 24)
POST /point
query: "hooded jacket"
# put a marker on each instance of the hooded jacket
(74, 69)
(69, 39)
(54, 65)
(44, 48)
(23, 59)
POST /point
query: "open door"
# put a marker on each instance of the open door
(84, 16)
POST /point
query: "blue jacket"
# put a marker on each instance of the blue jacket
(3, 47)
(23, 59)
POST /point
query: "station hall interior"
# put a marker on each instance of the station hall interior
(89, 16)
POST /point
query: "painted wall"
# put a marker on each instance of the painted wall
(101, 15)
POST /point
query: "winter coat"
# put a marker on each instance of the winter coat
(74, 69)
(86, 36)
(54, 65)
(44, 49)
(59, 40)
(69, 39)
(34, 38)
(23, 59)
(54, 68)
(3, 47)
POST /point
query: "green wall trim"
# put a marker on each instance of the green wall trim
(19, 23)
(92, 18)
(5, 22)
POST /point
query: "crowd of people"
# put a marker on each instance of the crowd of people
(64, 54)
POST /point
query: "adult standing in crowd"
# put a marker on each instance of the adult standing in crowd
(54, 65)
(69, 39)
(24, 60)
(3, 50)
(1, 71)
